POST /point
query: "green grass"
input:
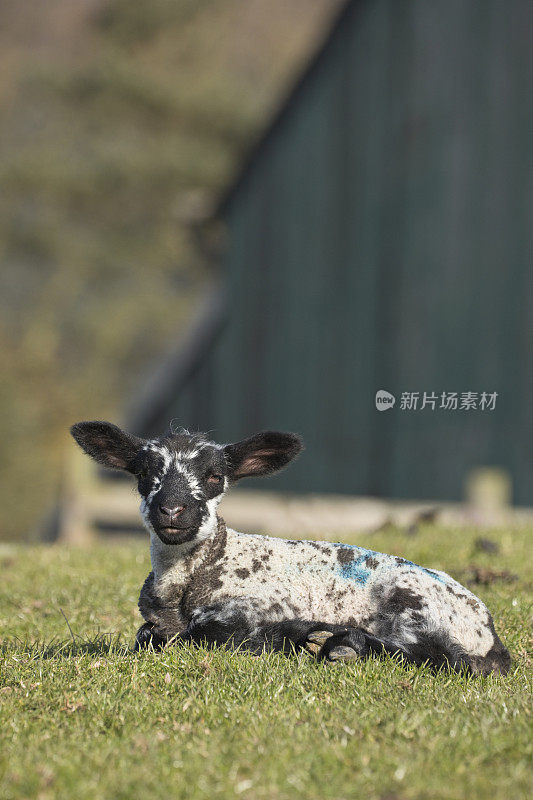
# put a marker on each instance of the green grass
(84, 717)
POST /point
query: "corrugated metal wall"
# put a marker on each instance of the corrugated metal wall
(383, 238)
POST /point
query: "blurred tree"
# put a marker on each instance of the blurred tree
(117, 118)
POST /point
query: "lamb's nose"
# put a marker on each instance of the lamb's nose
(171, 512)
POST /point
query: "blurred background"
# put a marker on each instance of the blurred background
(120, 121)
(250, 214)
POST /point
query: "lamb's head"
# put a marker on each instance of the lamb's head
(183, 476)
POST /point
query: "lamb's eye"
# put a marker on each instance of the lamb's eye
(143, 472)
(215, 478)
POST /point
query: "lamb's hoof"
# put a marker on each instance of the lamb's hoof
(316, 641)
(342, 653)
(343, 644)
(148, 638)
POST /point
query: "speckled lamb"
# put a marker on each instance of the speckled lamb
(210, 583)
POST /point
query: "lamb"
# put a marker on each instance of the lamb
(212, 584)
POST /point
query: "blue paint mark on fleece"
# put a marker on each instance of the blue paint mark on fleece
(356, 570)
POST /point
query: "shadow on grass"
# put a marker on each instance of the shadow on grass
(104, 644)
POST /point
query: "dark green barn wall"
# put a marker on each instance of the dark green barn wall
(382, 238)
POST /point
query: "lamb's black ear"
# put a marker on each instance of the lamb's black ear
(261, 454)
(107, 444)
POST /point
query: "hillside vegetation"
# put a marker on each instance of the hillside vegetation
(82, 716)
(120, 121)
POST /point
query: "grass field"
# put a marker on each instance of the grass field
(84, 717)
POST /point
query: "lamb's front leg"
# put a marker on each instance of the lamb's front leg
(246, 624)
(243, 622)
